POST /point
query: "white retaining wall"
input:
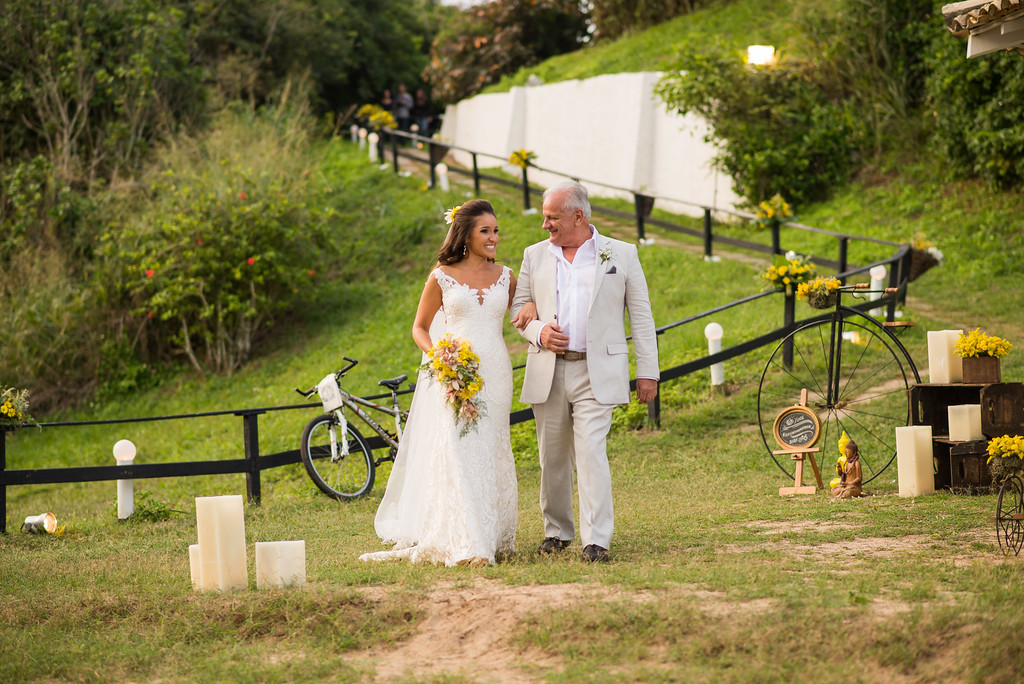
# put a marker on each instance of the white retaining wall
(609, 130)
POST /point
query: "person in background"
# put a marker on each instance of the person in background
(423, 113)
(403, 108)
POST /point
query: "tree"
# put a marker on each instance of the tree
(487, 42)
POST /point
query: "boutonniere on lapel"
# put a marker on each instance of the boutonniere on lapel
(604, 254)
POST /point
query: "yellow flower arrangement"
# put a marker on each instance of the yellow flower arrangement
(14, 408)
(455, 365)
(977, 343)
(789, 271)
(522, 158)
(774, 210)
(820, 293)
(376, 117)
(1005, 455)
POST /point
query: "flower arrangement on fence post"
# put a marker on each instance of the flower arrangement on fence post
(789, 271)
(1005, 456)
(820, 293)
(376, 117)
(14, 408)
(773, 211)
(522, 158)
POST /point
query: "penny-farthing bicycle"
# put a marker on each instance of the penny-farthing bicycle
(1010, 514)
(857, 375)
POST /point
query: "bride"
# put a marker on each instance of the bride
(452, 495)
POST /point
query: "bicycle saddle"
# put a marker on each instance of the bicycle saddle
(394, 383)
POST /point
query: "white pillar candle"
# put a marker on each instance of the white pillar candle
(221, 524)
(965, 422)
(194, 565)
(374, 139)
(280, 564)
(914, 468)
(944, 366)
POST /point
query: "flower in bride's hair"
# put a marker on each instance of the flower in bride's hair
(449, 215)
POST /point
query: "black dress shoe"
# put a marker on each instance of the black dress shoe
(552, 544)
(595, 554)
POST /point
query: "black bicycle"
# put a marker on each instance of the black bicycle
(337, 457)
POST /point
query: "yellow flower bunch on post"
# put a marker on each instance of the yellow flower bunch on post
(977, 343)
(789, 271)
(774, 210)
(522, 158)
(14, 408)
(1005, 456)
(376, 117)
(455, 365)
(820, 293)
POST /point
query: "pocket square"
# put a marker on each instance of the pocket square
(611, 270)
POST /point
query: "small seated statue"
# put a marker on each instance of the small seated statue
(851, 478)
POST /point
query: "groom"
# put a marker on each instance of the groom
(577, 369)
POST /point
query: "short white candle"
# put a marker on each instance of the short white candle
(965, 422)
(374, 139)
(124, 454)
(221, 525)
(280, 564)
(914, 460)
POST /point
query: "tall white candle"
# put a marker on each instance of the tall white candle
(280, 564)
(956, 362)
(965, 422)
(221, 525)
(944, 366)
(914, 468)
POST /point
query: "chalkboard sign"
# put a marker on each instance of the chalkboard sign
(797, 427)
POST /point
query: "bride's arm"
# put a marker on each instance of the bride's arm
(430, 302)
(527, 312)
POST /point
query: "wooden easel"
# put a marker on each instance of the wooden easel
(798, 455)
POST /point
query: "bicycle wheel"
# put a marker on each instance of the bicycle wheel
(856, 377)
(1010, 515)
(347, 477)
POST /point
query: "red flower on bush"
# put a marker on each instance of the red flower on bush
(312, 272)
(199, 241)
(242, 195)
(150, 315)
(150, 273)
(251, 260)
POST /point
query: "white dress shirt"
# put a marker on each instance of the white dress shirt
(575, 286)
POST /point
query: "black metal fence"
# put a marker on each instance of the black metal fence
(253, 462)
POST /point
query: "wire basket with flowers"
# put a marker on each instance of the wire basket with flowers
(1005, 456)
(772, 211)
(820, 293)
(14, 408)
(455, 365)
(789, 271)
(923, 256)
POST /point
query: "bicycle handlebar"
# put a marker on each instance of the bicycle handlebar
(352, 363)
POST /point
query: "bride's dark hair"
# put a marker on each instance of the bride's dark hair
(453, 250)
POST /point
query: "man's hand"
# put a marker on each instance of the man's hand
(646, 390)
(553, 339)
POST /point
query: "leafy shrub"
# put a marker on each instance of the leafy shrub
(612, 18)
(975, 105)
(776, 129)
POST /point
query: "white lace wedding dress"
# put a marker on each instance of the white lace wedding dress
(453, 497)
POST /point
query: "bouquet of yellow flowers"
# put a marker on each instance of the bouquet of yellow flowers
(14, 408)
(455, 365)
(977, 343)
(774, 210)
(522, 158)
(377, 117)
(820, 293)
(1005, 455)
(789, 271)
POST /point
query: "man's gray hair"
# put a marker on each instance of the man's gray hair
(576, 197)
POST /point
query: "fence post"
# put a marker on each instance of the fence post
(3, 487)
(654, 410)
(788, 318)
(251, 435)
(707, 234)
(844, 247)
(394, 149)
(476, 177)
(776, 248)
(430, 155)
(526, 192)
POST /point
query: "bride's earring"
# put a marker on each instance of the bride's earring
(463, 250)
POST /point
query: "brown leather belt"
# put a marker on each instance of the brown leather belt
(574, 356)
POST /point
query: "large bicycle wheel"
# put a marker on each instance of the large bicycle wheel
(1010, 515)
(344, 477)
(856, 377)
